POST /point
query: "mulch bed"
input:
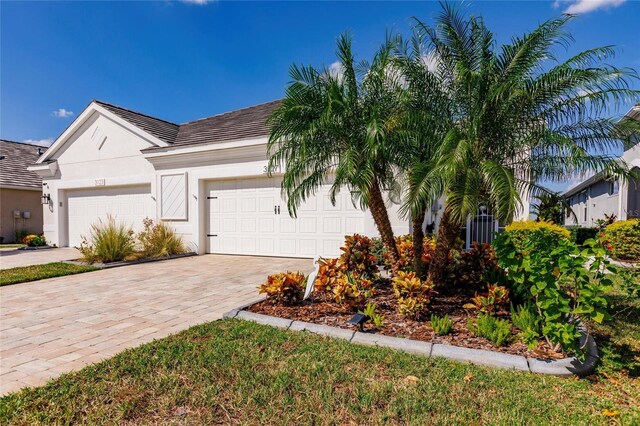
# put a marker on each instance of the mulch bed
(321, 309)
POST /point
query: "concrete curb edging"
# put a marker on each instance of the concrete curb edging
(133, 262)
(560, 367)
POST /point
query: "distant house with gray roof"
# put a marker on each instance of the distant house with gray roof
(601, 195)
(20, 191)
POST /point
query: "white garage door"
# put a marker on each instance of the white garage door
(128, 204)
(248, 216)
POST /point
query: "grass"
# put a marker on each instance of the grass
(239, 372)
(38, 272)
(11, 246)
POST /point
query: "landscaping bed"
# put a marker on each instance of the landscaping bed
(321, 309)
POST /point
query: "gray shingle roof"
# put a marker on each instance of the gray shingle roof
(161, 129)
(240, 124)
(16, 157)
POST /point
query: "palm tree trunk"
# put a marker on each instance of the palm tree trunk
(448, 231)
(381, 219)
(418, 240)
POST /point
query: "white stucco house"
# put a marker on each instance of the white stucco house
(208, 178)
(600, 195)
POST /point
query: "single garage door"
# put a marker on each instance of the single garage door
(128, 204)
(248, 216)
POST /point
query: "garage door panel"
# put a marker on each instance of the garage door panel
(246, 219)
(129, 205)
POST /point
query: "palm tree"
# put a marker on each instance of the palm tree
(552, 207)
(426, 117)
(520, 115)
(340, 128)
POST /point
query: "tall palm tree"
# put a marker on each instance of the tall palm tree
(552, 207)
(427, 115)
(340, 127)
(519, 115)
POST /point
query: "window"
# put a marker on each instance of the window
(614, 187)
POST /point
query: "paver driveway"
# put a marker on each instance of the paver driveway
(57, 325)
(15, 258)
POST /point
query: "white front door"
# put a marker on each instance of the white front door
(249, 216)
(127, 204)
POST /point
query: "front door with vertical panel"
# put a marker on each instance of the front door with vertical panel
(248, 216)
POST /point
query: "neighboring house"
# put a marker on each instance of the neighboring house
(599, 195)
(20, 191)
(208, 178)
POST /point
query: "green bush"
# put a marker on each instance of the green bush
(623, 239)
(580, 234)
(109, 241)
(441, 325)
(551, 274)
(159, 240)
(519, 231)
(491, 328)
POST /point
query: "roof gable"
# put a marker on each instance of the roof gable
(161, 129)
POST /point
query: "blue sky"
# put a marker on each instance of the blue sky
(182, 61)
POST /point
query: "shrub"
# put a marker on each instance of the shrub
(551, 274)
(525, 318)
(491, 328)
(494, 299)
(329, 273)
(476, 266)
(623, 239)
(356, 255)
(412, 294)
(285, 288)
(159, 240)
(352, 290)
(519, 231)
(108, 242)
(441, 325)
(580, 234)
(34, 240)
(406, 254)
(370, 311)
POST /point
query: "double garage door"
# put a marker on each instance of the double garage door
(128, 204)
(249, 216)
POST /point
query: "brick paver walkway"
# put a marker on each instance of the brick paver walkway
(61, 324)
(15, 258)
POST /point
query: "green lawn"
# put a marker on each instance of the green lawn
(38, 272)
(11, 246)
(238, 372)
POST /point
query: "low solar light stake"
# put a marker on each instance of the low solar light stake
(359, 320)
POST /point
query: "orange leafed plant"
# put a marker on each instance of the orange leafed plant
(329, 273)
(357, 257)
(352, 290)
(412, 294)
(495, 298)
(285, 288)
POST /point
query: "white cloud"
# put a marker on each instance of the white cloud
(62, 113)
(40, 142)
(585, 6)
(197, 2)
(336, 69)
